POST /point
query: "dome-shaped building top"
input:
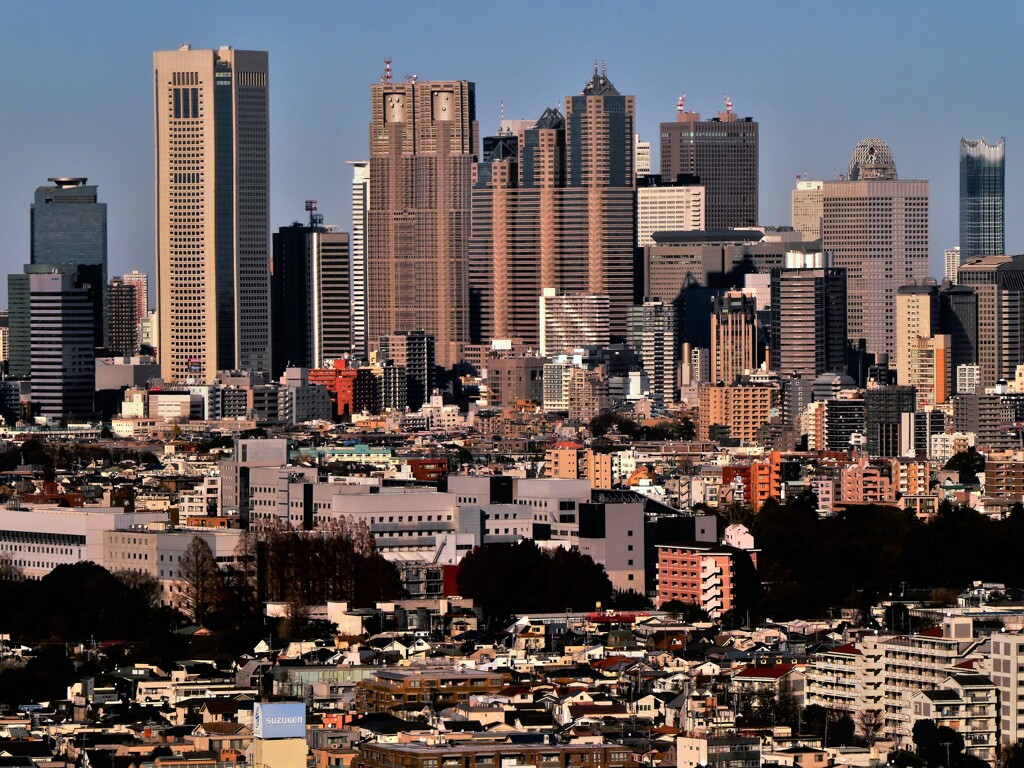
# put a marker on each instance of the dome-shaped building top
(872, 159)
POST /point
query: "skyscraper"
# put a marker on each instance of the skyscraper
(808, 206)
(998, 282)
(423, 142)
(808, 317)
(68, 234)
(414, 353)
(360, 203)
(141, 282)
(982, 198)
(62, 353)
(310, 297)
(122, 317)
(553, 208)
(723, 153)
(212, 229)
(876, 228)
(733, 336)
(667, 208)
(652, 336)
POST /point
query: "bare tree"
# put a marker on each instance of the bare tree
(870, 722)
(201, 577)
(8, 570)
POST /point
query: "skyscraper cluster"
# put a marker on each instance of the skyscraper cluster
(551, 236)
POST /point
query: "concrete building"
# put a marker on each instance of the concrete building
(310, 297)
(642, 157)
(702, 575)
(733, 336)
(1008, 676)
(212, 193)
(848, 678)
(808, 329)
(883, 409)
(652, 335)
(511, 379)
(982, 198)
(951, 257)
(63, 370)
(40, 537)
(688, 269)
(122, 318)
(920, 662)
(414, 352)
(573, 321)
(734, 411)
(667, 207)
(876, 227)
(140, 280)
(808, 208)
(360, 206)
(723, 153)
(998, 282)
(423, 143)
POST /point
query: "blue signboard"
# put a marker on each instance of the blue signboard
(279, 721)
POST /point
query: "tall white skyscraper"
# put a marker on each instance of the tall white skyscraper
(360, 205)
(212, 194)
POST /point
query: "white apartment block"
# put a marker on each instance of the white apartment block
(1008, 676)
(40, 537)
(848, 678)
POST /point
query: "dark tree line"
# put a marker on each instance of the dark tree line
(809, 565)
(504, 579)
(337, 563)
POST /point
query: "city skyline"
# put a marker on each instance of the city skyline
(888, 85)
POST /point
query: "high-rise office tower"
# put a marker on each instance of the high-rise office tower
(68, 234)
(808, 205)
(958, 317)
(982, 198)
(952, 259)
(141, 282)
(642, 153)
(553, 208)
(998, 282)
(883, 415)
(310, 297)
(808, 317)
(733, 336)
(672, 207)
(212, 220)
(876, 227)
(599, 124)
(122, 318)
(360, 203)
(414, 352)
(423, 142)
(723, 153)
(63, 364)
(917, 316)
(571, 321)
(652, 336)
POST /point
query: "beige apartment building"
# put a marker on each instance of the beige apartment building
(212, 211)
(740, 409)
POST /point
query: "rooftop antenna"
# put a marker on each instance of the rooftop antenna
(728, 104)
(681, 104)
(595, 66)
(604, 70)
(502, 111)
(315, 219)
(386, 77)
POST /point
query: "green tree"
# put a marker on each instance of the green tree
(201, 576)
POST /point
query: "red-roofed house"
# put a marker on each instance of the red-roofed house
(777, 677)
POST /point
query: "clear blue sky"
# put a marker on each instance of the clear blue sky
(76, 88)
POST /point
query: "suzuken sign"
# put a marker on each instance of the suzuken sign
(279, 721)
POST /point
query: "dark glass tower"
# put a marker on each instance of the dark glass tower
(69, 228)
(982, 198)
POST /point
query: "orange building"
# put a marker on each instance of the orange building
(741, 409)
(702, 575)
